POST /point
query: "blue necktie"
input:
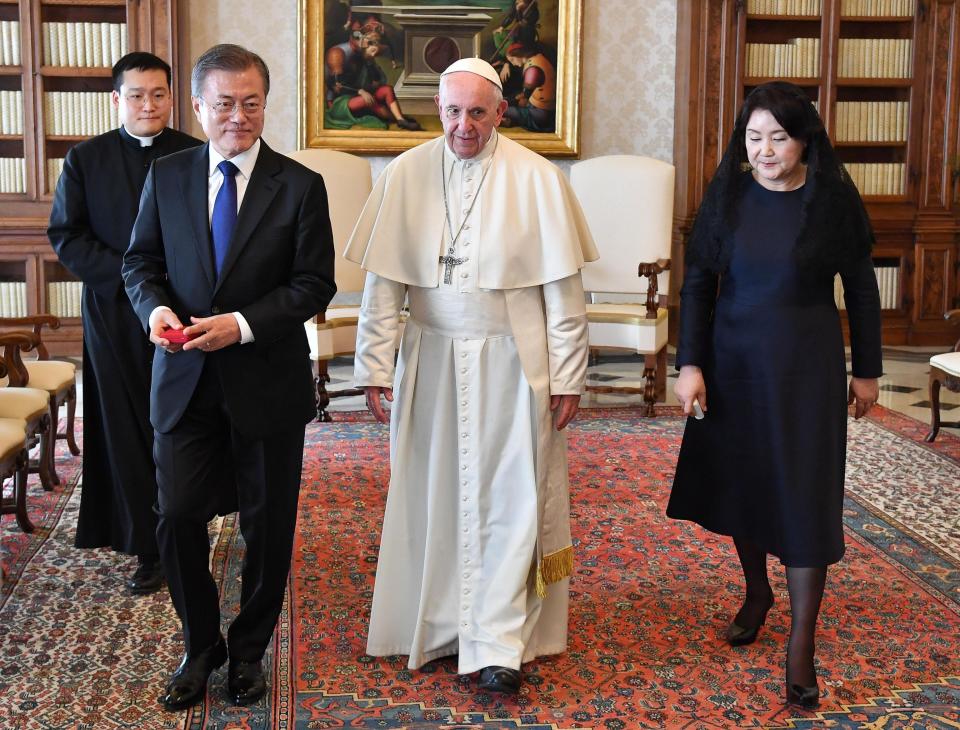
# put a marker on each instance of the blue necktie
(224, 218)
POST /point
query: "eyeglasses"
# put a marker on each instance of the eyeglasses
(137, 99)
(228, 108)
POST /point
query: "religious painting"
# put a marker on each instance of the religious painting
(370, 69)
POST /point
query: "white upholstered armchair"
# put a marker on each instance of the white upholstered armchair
(334, 332)
(628, 202)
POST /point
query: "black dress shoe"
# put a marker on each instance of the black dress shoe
(147, 578)
(188, 684)
(245, 682)
(499, 679)
(807, 698)
(742, 635)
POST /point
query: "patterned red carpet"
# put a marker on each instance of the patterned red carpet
(650, 601)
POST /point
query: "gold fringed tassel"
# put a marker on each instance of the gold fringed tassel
(553, 567)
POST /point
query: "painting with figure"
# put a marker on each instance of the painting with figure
(372, 69)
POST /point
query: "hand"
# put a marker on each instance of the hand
(863, 393)
(504, 73)
(212, 333)
(564, 408)
(373, 393)
(690, 387)
(367, 97)
(165, 318)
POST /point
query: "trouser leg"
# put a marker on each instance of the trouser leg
(190, 471)
(268, 486)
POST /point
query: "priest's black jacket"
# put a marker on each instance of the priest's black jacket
(95, 205)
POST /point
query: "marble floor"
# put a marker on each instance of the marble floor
(903, 387)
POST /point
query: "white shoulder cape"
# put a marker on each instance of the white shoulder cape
(534, 230)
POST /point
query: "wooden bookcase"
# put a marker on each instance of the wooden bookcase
(25, 252)
(898, 119)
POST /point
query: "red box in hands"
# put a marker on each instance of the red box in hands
(176, 336)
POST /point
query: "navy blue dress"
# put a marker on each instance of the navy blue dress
(767, 463)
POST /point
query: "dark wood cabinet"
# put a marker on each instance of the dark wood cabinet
(25, 252)
(887, 89)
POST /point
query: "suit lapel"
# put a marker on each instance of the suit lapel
(195, 190)
(261, 191)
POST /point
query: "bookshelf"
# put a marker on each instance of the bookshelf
(55, 61)
(884, 77)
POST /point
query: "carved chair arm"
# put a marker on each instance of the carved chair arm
(38, 322)
(12, 364)
(651, 271)
(953, 314)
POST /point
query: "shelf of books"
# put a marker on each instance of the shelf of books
(63, 291)
(13, 170)
(78, 45)
(13, 288)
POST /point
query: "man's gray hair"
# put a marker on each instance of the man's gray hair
(227, 57)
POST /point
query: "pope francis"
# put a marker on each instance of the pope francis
(485, 240)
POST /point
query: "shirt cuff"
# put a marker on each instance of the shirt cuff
(156, 313)
(246, 334)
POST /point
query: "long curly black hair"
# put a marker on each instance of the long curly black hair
(835, 229)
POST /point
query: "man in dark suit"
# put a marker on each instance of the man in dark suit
(234, 239)
(93, 212)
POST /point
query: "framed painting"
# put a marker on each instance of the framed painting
(369, 69)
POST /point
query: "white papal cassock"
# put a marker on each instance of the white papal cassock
(475, 553)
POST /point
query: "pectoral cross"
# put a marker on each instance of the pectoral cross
(449, 261)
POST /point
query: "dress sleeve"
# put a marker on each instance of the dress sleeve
(373, 363)
(698, 298)
(567, 349)
(862, 297)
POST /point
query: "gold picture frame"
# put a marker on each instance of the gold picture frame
(431, 24)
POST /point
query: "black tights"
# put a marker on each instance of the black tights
(805, 586)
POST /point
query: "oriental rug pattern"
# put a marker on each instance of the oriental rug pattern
(650, 600)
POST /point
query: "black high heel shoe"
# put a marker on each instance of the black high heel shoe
(807, 698)
(741, 636)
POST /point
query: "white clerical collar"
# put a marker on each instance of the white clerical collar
(144, 141)
(482, 155)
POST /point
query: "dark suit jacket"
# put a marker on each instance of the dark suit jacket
(278, 273)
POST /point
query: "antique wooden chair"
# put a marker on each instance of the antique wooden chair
(628, 202)
(944, 370)
(19, 421)
(334, 333)
(57, 378)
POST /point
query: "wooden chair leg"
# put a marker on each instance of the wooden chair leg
(51, 456)
(323, 398)
(934, 406)
(48, 437)
(20, 494)
(661, 389)
(71, 421)
(650, 387)
(594, 357)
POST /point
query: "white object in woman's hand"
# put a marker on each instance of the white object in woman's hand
(690, 389)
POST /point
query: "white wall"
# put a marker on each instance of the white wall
(629, 49)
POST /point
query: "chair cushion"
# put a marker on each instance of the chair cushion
(625, 326)
(25, 403)
(13, 437)
(51, 375)
(949, 362)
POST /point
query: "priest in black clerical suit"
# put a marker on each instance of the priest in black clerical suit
(94, 208)
(232, 248)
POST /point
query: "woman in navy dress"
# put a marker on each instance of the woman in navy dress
(760, 339)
